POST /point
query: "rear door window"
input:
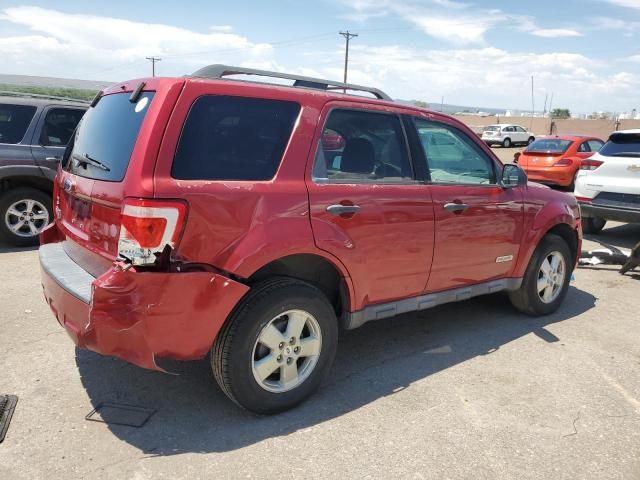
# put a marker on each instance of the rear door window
(105, 137)
(595, 145)
(59, 125)
(234, 138)
(14, 121)
(362, 147)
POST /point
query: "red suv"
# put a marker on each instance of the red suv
(250, 221)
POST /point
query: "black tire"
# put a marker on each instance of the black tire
(9, 198)
(593, 225)
(531, 140)
(506, 143)
(233, 350)
(526, 298)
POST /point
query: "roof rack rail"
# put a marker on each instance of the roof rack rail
(12, 93)
(220, 71)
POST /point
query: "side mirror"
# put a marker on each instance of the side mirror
(513, 176)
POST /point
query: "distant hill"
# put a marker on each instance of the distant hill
(29, 81)
(450, 109)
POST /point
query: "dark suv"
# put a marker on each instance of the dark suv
(206, 214)
(33, 136)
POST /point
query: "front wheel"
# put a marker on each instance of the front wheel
(593, 225)
(531, 140)
(506, 143)
(546, 280)
(277, 347)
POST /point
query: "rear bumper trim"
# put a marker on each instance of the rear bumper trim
(608, 213)
(66, 273)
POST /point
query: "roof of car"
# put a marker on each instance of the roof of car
(36, 101)
(568, 136)
(633, 131)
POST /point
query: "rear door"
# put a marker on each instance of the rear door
(52, 134)
(478, 224)
(368, 209)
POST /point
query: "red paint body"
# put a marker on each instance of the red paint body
(401, 244)
(556, 169)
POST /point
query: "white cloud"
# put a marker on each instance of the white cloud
(625, 3)
(91, 46)
(555, 32)
(451, 21)
(488, 77)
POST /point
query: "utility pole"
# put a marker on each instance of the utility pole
(533, 105)
(347, 36)
(153, 61)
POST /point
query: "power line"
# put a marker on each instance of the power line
(153, 61)
(347, 36)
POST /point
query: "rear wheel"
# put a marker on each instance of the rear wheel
(593, 224)
(24, 213)
(277, 347)
(506, 143)
(546, 280)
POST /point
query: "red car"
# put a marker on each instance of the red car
(555, 160)
(207, 215)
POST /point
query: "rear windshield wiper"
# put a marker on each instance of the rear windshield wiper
(625, 154)
(86, 158)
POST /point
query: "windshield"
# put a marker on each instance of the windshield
(105, 137)
(622, 145)
(549, 145)
(491, 128)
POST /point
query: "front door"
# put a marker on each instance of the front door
(367, 208)
(478, 224)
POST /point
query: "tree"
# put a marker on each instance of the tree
(560, 113)
(420, 103)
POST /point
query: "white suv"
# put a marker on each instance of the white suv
(608, 183)
(506, 134)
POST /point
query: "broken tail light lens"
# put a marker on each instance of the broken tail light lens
(590, 164)
(147, 227)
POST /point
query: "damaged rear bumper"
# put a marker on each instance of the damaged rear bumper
(137, 316)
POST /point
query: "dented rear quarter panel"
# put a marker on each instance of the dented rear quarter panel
(240, 226)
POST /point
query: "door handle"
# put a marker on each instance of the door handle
(456, 207)
(338, 210)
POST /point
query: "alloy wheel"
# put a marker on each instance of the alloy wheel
(26, 217)
(551, 277)
(286, 351)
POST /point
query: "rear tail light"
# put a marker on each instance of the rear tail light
(590, 164)
(565, 162)
(147, 227)
(583, 199)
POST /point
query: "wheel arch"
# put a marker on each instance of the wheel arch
(25, 180)
(312, 268)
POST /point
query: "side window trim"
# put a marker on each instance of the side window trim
(493, 165)
(404, 144)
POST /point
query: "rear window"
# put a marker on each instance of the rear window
(14, 121)
(549, 145)
(102, 145)
(491, 128)
(622, 145)
(234, 138)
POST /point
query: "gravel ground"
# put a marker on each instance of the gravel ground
(469, 390)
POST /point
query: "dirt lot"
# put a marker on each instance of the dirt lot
(470, 390)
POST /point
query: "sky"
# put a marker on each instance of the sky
(584, 52)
